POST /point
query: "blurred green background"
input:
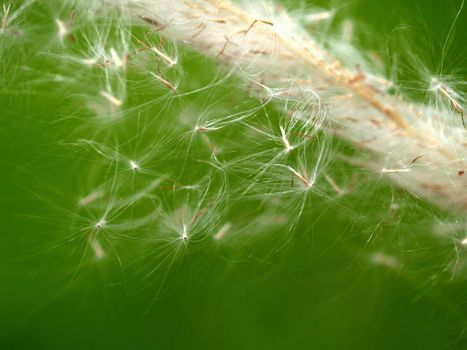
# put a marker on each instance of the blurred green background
(311, 289)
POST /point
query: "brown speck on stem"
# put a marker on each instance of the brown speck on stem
(415, 159)
(219, 20)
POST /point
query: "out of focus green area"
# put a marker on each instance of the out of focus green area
(312, 286)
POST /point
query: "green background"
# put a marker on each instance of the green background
(313, 292)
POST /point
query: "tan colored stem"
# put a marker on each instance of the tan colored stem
(284, 65)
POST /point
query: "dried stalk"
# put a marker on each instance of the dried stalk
(421, 148)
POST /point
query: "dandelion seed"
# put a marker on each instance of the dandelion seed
(347, 30)
(319, 16)
(189, 187)
(307, 183)
(394, 170)
(450, 95)
(119, 63)
(112, 99)
(394, 209)
(134, 166)
(144, 192)
(464, 242)
(64, 29)
(90, 198)
(97, 249)
(212, 147)
(288, 147)
(198, 214)
(89, 61)
(6, 12)
(185, 232)
(169, 60)
(386, 260)
(333, 184)
(164, 81)
(204, 128)
(101, 223)
(222, 231)
(155, 24)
